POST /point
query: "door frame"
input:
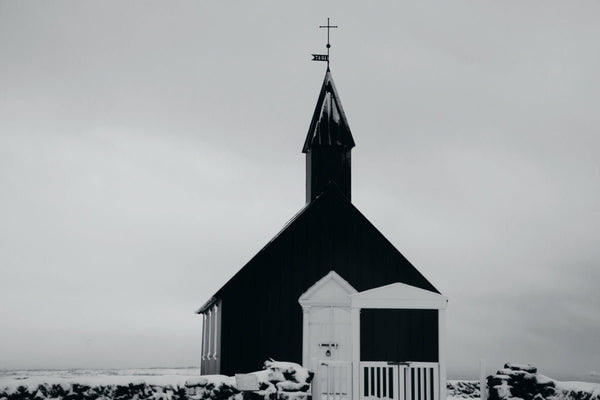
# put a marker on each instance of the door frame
(330, 291)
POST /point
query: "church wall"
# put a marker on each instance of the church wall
(261, 314)
(399, 335)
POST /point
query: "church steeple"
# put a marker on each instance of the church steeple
(328, 144)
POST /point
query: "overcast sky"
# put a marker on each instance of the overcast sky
(149, 149)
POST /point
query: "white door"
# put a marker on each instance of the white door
(331, 351)
(330, 334)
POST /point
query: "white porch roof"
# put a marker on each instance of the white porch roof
(332, 290)
(398, 295)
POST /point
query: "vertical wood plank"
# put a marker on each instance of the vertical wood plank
(442, 352)
(378, 377)
(436, 384)
(326, 385)
(395, 383)
(215, 331)
(306, 337)
(209, 330)
(315, 383)
(334, 370)
(203, 336)
(338, 378)
(427, 383)
(402, 383)
(219, 355)
(421, 384)
(409, 395)
(355, 320)
(349, 382)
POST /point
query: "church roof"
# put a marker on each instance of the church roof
(329, 233)
(329, 126)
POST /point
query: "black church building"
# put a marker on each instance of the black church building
(330, 292)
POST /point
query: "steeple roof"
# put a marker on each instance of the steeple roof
(329, 126)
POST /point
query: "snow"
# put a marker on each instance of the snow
(215, 380)
(464, 389)
(593, 388)
(543, 379)
(522, 367)
(11, 380)
(164, 382)
(300, 374)
(152, 384)
(291, 386)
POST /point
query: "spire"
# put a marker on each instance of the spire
(329, 126)
(328, 144)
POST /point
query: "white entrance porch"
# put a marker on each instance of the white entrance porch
(331, 343)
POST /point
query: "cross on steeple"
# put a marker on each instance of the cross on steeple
(318, 57)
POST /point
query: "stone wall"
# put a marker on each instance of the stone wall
(523, 382)
(277, 381)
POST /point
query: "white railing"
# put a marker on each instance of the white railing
(333, 381)
(378, 380)
(399, 381)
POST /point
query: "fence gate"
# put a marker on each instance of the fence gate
(333, 381)
(399, 381)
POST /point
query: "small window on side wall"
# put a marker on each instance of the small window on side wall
(211, 339)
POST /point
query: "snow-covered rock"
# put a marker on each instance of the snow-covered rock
(463, 389)
(277, 381)
(523, 382)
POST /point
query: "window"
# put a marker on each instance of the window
(211, 339)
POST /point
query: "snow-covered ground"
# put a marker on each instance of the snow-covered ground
(281, 380)
(462, 389)
(31, 379)
(172, 378)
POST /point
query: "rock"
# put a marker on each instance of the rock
(502, 391)
(521, 367)
(549, 391)
(493, 380)
(287, 371)
(288, 386)
(293, 396)
(539, 397)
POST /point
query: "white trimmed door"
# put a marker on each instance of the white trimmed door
(330, 334)
(331, 352)
(327, 341)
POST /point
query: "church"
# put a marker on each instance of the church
(330, 292)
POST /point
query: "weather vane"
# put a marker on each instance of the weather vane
(324, 57)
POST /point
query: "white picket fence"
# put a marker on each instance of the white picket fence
(333, 381)
(402, 381)
(378, 381)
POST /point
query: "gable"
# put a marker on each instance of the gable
(332, 289)
(328, 234)
(399, 296)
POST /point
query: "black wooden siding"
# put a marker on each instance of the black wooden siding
(261, 316)
(399, 335)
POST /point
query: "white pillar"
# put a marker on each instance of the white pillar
(355, 319)
(442, 351)
(306, 337)
(209, 322)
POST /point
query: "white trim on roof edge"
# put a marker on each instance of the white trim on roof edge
(330, 290)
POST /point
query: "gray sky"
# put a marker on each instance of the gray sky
(149, 149)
